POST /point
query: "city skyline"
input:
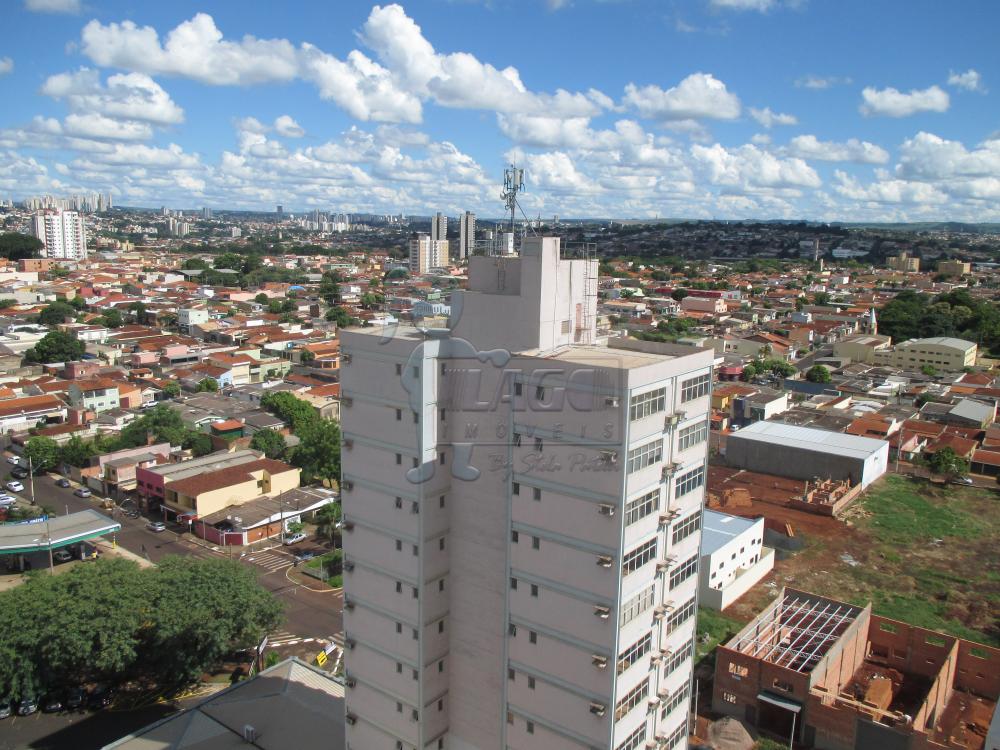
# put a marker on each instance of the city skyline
(615, 109)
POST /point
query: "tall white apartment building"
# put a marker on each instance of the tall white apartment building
(466, 235)
(439, 227)
(522, 511)
(427, 253)
(62, 233)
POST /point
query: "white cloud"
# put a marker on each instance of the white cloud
(131, 96)
(748, 167)
(52, 6)
(98, 126)
(195, 49)
(821, 82)
(251, 125)
(769, 119)
(556, 171)
(757, 5)
(287, 127)
(930, 157)
(890, 102)
(887, 190)
(699, 96)
(6, 66)
(970, 80)
(862, 152)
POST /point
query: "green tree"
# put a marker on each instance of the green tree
(199, 443)
(161, 423)
(318, 453)
(55, 346)
(397, 273)
(369, 300)
(307, 356)
(231, 261)
(329, 287)
(946, 461)
(341, 317)
(113, 318)
(294, 527)
(43, 453)
(195, 264)
(138, 311)
(294, 411)
(172, 389)
(15, 246)
(679, 294)
(270, 442)
(77, 452)
(818, 374)
(261, 299)
(208, 385)
(929, 370)
(56, 313)
(326, 519)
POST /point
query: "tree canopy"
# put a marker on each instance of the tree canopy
(911, 315)
(111, 621)
(44, 453)
(270, 442)
(15, 246)
(56, 313)
(818, 374)
(946, 461)
(55, 346)
(318, 452)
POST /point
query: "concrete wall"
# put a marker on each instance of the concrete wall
(743, 580)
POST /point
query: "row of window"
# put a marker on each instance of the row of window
(692, 436)
(641, 506)
(696, 387)
(680, 616)
(679, 696)
(647, 404)
(416, 633)
(635, 739)
(689, 481)
(631, 699)
(513, 587)
(645, 455)
(686, 527)
(638, 557)
(678, 658)
(635, 652)
(683, 571)
(638, 604)
(536, 493)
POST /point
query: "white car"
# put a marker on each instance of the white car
(293, 538)
(6, 501)
(14, 460)
(14, 486)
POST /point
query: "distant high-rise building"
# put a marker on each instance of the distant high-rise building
(62, 233)
(521, 534)
(466, 235)
(281, 210)
(439, 227)
(426, 254)
(206, 213)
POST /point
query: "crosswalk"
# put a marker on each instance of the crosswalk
(270, 561)
(284, 638)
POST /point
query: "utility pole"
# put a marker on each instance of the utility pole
(31, 481)
(48, 540)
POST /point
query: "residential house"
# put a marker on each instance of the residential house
(209, 492)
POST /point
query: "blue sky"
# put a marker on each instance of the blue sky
(616, 108)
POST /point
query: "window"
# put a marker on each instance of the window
(645, 455)
(532, 636)
(416, 418)
(536, 543)
(512, 630)
(633, 653)
(441, 544)
(696, 387)
(513, 584)
(444, 369)
(399, 627)
(399, 415)
(517, 389)
(538, 445)
(441, 666)
(399, 459)
(517, 439)
(631, 699)
(440, 705)
(689, 481)
(441, 458)
(680, 616)
(399, 502)
(539, 393)
(536, 494)
(441, 626)
(415, 591)
(641, 506)
(416, 372)
(416, 634)
(441, 501)
(678, 658)
(399, 369)
(647, 403)
(638, 604)
(686, 527)
(529, 727)
(399, 587)
(531, 683)
(677, 737)
(638, 557)
(679, 696)
(441, 585)
(399, 545)
(534, 590)
(514, 537)
(683, 571)
(399, 668)
(399, 707)
(443, 412)
(515, 488)
(693, 435)
(634, 740)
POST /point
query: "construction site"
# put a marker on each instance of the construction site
(731, 489)
(834, 676)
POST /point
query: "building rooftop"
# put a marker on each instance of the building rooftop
(779, 434)
(940, 341)
(718, 529)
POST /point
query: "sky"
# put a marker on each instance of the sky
(820, 110)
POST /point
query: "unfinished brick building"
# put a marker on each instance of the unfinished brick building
(838, 677)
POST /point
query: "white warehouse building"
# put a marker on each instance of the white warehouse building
(733, 558)
(807, 453)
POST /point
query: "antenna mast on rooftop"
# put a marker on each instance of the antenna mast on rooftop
(513, 183)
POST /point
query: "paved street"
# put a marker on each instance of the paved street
(310, 612)
(807, 361)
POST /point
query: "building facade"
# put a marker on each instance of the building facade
(521, 521)
(466, 235)
(940, 352)
(62, 233)
(427, 253)
(439, 227)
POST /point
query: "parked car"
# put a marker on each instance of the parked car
(19, 473)
(156, 526)
(27, 706)
(62, 555)
(5, 709)
(100, 697)
(966, 481)
(63, 482)
(14, 460)
(52, 703)
(293, 538)
(75, 698)
(7, 500)
(14, 486)
(82, 492)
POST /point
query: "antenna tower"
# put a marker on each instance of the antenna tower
(513, 183)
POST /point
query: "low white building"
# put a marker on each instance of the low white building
(733, 558)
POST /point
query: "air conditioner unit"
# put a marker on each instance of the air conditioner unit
(609, 457)
(350, 682)
(606, 509)
(663, 694)
(249, 733)
(348, 526)
(349, 644)
(653, 702)
(605, 561)
(660, 612)
(345, 358)
(657, 659)
(348, 565)
(348, 443)
(348, 604)
(350, 719)
(669, 516)
(674, 419)
(661, 566)
(601, 662)
(603, 612)
(598, 709)
(346, 401)
(611, 401)
(347, 484)
(666, 651)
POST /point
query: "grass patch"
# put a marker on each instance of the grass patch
(902, 512)
(714, 628)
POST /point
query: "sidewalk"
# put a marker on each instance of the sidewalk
(106, 548)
